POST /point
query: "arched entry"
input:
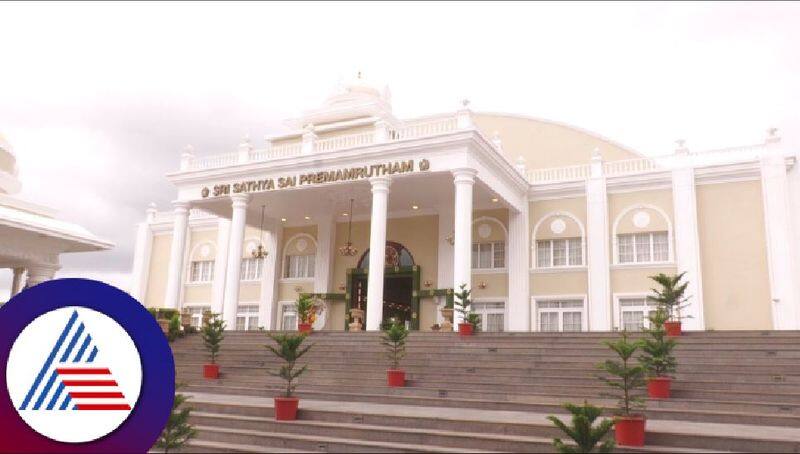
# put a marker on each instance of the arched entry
(400, 286)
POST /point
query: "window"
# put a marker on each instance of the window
(288, 317)
(556, 316)
(247, 318)
(201, 271)
(643, 247)
(251, 269)
(493, 315)
(299, 266)
(197, 314)
(634, 313)
(556, 253)
(489, 255)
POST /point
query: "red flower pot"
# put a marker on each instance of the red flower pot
(396, 378)
(465, 329)
(286, 408)
(673, 329)
(304, 327)
(210, 370)
(658, 387)
(629, 430)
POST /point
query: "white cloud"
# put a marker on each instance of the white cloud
(99, 98)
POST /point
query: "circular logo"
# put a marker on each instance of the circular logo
(641, 219)
(205, 192)
(424, 165)
(558, 226)
(74, 375)
(85, 368)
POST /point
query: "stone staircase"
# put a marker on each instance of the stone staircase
(734, 391)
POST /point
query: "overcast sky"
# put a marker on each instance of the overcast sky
(99, 99)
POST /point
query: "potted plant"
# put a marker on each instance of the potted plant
(657, 359)
(178, 430)
(289, 350)
(394, 339)
(305, 313)
(627, 378)
(671, 298)
(583, 431)
(463, 306)
(213, 333)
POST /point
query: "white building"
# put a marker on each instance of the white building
(31, 236)
(553, 227)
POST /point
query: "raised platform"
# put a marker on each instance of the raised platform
(734, 391)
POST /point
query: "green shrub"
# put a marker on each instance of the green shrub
(167, 314)
(463, 305)
(174, 328)
(153, 311)
(394, 339)
(305, 309)
(628, 377)
(289, 350)
(671, 295)
(213, 333)
(657, 357)
(178, 430)
(583, 431)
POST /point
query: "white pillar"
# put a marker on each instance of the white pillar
(597, 248)
(177, 251)
(687, 242)
(323, 262)
(17, 282)
(269, 282)
(232, 274)
(220, 265)
(141, 255)
(377, 252)
(462, 248)
(519, 277)
(444, 253)
(41, 273)
(782, 269)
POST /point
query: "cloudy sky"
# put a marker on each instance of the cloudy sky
(99, 99)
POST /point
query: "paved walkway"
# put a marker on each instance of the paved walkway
(791, 434)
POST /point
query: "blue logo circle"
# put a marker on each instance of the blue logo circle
(70, 379)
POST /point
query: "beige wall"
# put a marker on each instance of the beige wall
(540, 209)
(157, 275)
(636, 279)
(545, 144)
(559, 283)
(427, 314)
(496, 285)
(736, 291)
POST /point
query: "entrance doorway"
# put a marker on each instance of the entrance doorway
(401, 283)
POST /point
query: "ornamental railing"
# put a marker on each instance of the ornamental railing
(302, 145)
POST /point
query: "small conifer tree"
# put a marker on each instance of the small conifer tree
(178, 430)
(583, 431)
(213, 334)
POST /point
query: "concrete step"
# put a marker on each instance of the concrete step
(213, 446)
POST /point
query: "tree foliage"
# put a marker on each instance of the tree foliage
(671, 295)
(305, 308)
(628, 377)
(394, 339)
(178, 430)
(583, 431)
(657, 348)
(213, 333)
(463, 305)
(174, 327)
(289, 350)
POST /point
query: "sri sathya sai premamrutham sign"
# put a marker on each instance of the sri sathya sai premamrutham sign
(327, 176)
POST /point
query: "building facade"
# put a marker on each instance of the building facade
(552, 227)
(32, 237)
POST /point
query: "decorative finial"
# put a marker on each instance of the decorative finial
(188, 149)
(596, 153)
(358, 75)
(773, 136)
(465, 102)
(681, 143)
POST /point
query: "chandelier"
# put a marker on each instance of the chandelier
(348, 250)
(260, 252)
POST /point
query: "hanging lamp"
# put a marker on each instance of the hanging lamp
(260, 252)
(348, 250)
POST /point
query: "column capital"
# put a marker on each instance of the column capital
(464, 176)
(380, 184)
(240, 199)
(181, 206)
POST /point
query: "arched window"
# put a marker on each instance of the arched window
(201, 263)
(488, 244)
(642, 234)
(559, 241)
(299, 257)
(396, 255)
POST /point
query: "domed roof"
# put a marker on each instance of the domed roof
(9, 184)
(546, 143)
(356, 98)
